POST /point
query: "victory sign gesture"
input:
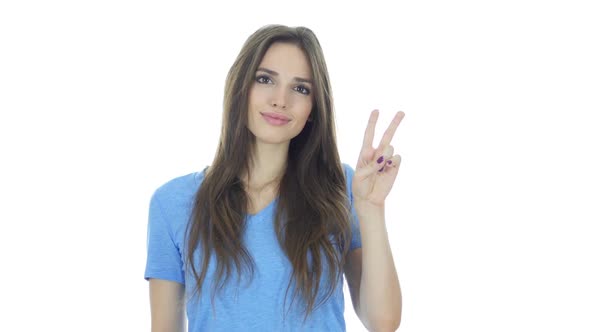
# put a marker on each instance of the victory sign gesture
(376, 169)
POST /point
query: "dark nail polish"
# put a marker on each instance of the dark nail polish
(382, 168)
(389, 162)
(380, 160)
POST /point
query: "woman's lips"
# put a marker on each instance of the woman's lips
(276, 116)
(274, 121)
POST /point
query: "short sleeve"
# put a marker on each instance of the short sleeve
(355, 226)
(164, 260)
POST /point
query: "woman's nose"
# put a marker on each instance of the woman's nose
(279, 98)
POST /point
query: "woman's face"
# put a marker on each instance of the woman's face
(282, 88)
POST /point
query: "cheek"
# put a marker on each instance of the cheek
(254, 102)
(307, 106)
(258, 94)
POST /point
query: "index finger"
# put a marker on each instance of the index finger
(370, 130)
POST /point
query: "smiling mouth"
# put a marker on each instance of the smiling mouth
(275, 116)
(274, 121)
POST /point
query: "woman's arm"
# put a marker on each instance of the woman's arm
(167, 305)
(379, 293)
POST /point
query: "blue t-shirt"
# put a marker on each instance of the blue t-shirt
(256, 306)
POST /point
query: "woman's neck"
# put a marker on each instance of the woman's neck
(269, 165)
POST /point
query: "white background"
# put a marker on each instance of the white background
(103, 101)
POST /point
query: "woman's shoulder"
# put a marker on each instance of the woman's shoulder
(348, 170)
(348, 174)
(180, 186)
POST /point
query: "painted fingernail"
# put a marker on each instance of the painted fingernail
(382, 168)
(389, 162)
(380, 160)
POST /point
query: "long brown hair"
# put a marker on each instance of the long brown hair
(313, 210)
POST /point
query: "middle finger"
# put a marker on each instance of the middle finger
(388, 135)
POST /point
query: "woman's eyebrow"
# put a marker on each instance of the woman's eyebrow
(297, 79)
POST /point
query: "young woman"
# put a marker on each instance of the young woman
(260, 239)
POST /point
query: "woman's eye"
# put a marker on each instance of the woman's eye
(262, 79)
(258, 79)
(305, 90)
